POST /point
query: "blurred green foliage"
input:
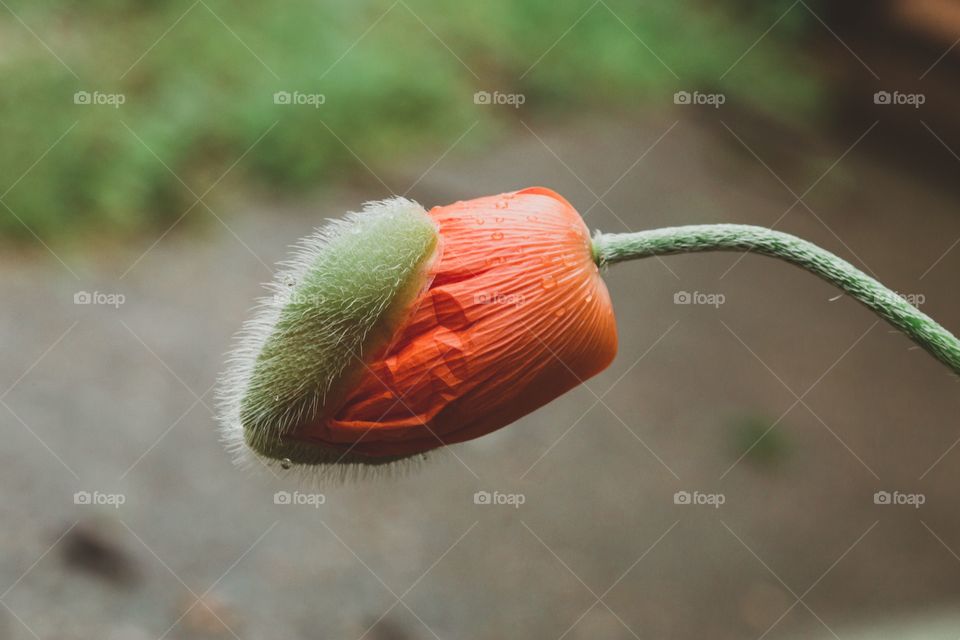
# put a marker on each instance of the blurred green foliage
(758, 440)
(198, 79)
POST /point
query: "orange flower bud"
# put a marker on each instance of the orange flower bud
(404, 330)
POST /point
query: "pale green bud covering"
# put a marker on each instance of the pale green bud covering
(336, 304)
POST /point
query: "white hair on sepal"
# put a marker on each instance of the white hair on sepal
(354, 311)
(333, 473)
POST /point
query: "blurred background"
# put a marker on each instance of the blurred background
(762, 460)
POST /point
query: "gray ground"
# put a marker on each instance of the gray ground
(121, 404)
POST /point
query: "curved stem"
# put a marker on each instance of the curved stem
(610, 248)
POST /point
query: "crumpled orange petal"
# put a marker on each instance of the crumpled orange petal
(516, 315)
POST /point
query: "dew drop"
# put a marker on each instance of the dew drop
(532, 218)
(286, 463)
(498, 219)
(497, 235)
(548, 281)
(589, 297)
(479, 220)
(560, 311)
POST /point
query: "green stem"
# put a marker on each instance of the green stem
(610, 248)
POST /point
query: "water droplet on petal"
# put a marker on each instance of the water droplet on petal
(560, 311)
(548, 281)
(589, 297)
(498, 219)
(497, 235)
(286, 463)
(479, 220)
(532, 218)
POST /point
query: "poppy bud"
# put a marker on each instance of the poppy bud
(399, 330)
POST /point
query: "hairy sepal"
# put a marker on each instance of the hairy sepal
(335, 305)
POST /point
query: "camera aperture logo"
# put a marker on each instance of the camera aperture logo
(699, 498)
(696, 97)
(99, 298)
(497, 498)
(298, 98)
(897, 498)
(699, 298)
(98, 98)
(898, 98)
(497, 98)
(297, 498)
(99, 499)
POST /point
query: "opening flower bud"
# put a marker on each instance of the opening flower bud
(397, 330)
